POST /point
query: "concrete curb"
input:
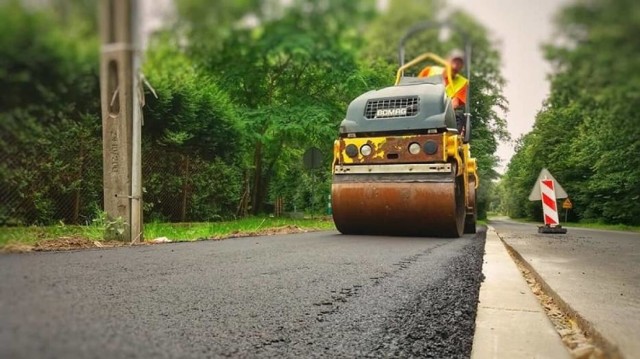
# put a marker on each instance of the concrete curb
(510, 323)
(610, 349)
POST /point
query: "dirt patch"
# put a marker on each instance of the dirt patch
(74, 243)
(16, 248)
(290, 229)
(60, 244)
(69, 243)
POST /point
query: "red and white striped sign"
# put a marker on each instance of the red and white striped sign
(549, 206)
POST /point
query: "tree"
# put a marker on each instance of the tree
(587, 132)
(49, 120)
(244, 87)
(291, 77)
(194, 127)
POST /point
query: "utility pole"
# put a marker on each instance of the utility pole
(120, 128)
(136, 139)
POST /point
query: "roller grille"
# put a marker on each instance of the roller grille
(392, 107)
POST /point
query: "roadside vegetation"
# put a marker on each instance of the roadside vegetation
(237, 103)
(588, 131)
(243, 89)
(73, 236)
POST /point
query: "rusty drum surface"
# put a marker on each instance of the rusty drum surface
(433, 208)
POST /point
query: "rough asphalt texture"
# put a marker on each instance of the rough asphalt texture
(311, 295)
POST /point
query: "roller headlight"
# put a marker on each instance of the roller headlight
(351, 150)
(414, 148)
(430, 147)
(366, 150)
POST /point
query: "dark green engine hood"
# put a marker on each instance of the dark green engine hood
(400, 108)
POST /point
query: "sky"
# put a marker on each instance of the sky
(519, 28)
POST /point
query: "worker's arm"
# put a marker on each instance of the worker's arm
(455, 102)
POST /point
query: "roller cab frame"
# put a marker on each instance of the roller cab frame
(400, 166)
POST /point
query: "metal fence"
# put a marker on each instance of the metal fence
(52, 173)
(43, 183)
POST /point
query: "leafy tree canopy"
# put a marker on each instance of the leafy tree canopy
(587, 133)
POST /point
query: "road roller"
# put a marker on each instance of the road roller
(401, 164)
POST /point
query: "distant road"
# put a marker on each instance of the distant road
(302, 295)
(596, 272)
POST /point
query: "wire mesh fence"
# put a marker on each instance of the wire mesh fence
(43, 182)
(52, 173)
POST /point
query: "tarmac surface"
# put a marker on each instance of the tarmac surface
(595, 272)
(302, 295)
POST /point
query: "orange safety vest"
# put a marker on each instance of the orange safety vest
(457, 89)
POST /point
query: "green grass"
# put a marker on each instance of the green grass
(173, 231)
(31, 235)
(192, 231)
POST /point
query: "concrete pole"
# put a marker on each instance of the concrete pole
(136, 163)
(116, 88)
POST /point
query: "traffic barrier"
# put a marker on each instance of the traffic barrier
(549, 205)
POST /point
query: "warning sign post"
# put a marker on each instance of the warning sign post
(567, 205)
(548, 190)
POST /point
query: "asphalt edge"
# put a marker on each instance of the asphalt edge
(505, 304)
(610, 350)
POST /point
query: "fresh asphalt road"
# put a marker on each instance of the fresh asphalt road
(317, 294)
(596, 272)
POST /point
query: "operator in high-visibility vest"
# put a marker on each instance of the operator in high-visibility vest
(457, 89)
